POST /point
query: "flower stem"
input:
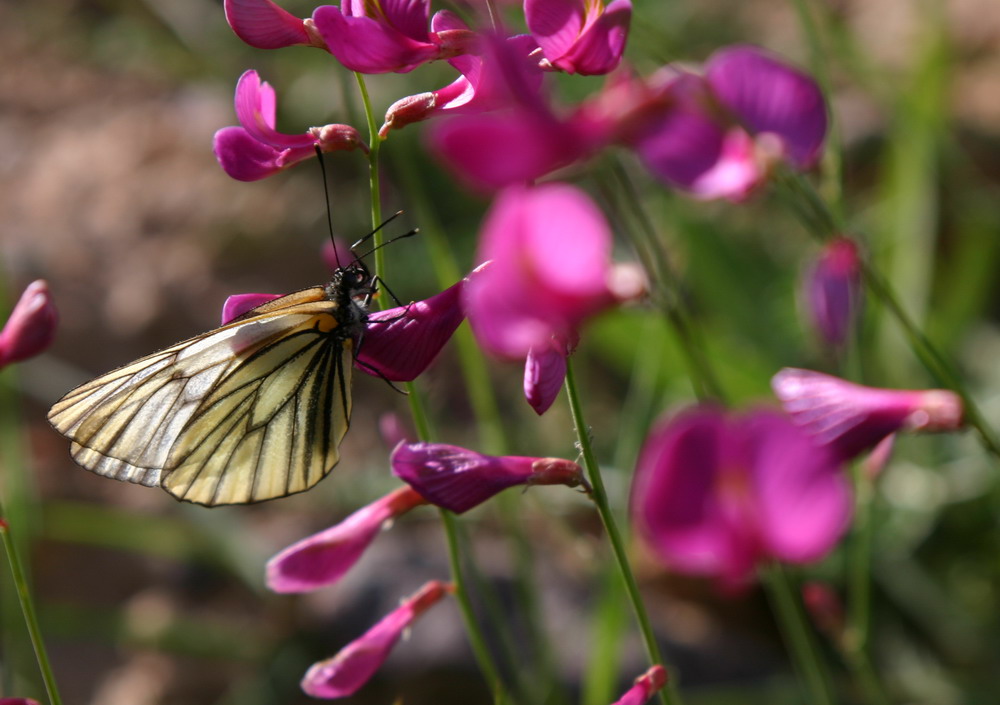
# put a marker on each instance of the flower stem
(668, 696)
(28, 609)
(798, 635)
(373, 180)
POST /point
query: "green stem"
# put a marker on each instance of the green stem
(374, 141)
(798, 635)
(600, 498)
(28, 609)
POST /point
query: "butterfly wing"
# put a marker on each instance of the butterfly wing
(250, 411)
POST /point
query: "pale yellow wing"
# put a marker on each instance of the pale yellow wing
(250, 411)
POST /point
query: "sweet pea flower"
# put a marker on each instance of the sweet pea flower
(852, 418)
(357, 662)
(727, 128)
(255, 150)
(264, 25)
(715, 494)
(459, 479)
(549, 253)
(832, 291)
(579, 36)
(323, 558)
(382, 36)
(479, 89)
(31, 327)
(400, 343)
(645, 687)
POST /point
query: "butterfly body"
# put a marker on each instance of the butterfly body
(253, 410)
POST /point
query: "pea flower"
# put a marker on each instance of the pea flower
(715, 494)
(264, 25)
(832, 291)
(255, 150)
(356, 663)
(323, 558)
(645, 687)
(381, 36)
(399, 343)
(852, 418)
(459, 479)
(580, 36)
(31, 327)
(727, 128)
(549, 249)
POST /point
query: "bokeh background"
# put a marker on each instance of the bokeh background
(109, 190)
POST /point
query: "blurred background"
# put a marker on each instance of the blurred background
(109, 190)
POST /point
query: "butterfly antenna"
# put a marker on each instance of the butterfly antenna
(370, 235)
(329, 209)
(411, 233)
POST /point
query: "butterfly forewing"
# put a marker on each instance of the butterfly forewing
(239, 414)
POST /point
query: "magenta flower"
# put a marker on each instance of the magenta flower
(324, 557)
(262, 24)
(832, 291)
(400, 343)
(31, 327)
(459, 479)
(256, 150)
(645, 687)
(852, 418)
(580, 36)
(382, 36)
(715, 494)
(544, 372)
(724, 131)
(238, 304)
(357, 662)
(479, 89)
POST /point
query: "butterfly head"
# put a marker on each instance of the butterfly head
(352, 288)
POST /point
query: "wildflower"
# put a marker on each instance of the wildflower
(549, 249)
(324, 557)
(31, 327)
(852, 418)
(726, 129)
(264, 25)
(832, 291)
(459, 479)
(381, 36)
(645, 687)
(255, 150)
(238, 304)
(580, 36)
(479, 88)
(399, 343)
(714, 495)
(357, 662)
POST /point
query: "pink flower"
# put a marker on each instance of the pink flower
(824, 607)
(645, 687)
(479, 89)
(256, 150)
(580, 36)
(262, 24)
(323, 558)
(852, 418)
(549, 254)
(238, 304)
(725, 130)
(400, 343)
(832, 291)
(31, 327)
(459, 479)
(715, 494)
(357, 662)
(519, 143)
(381, 36)
(18, 701)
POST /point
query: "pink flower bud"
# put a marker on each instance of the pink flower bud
(833, 291)
(408, 110)
(851, 418)
(323, 558)
(645, 687)
(31, 327)
(824, 607)
(459, 479)
(357, 662)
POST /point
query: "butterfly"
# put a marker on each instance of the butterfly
(253, 410)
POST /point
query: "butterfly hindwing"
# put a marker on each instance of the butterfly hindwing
(250, 411)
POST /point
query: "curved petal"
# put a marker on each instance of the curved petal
(769, 96)
(600, 46)
(368, 46)
(238, 304)
(244, 157)
(256, 106)
(409, 17)
(555, 24)
(544, 373)
(262, 24)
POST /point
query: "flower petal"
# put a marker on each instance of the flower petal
(555, 24)
(544, 373)
(255, 109)
(262, 24)
(369, 46)
(645, 687)
(31, 327)
(238, 304)
(599, 49)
